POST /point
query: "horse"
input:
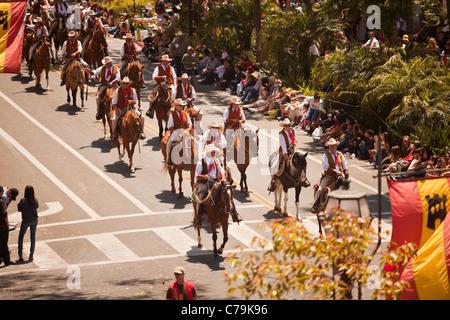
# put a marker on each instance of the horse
(41, 61)
(243, 153)
(294, 176)
(218, 205)
(128, 135)
(134, 72)
(94, 54)
(27, 43)
(60, 36)
(75, 78)
(184, 155)
(160, 100)
(105, 110)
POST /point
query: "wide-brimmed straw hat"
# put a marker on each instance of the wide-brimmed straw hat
(210, 148)
(184, 76)
(214, 124)
(128, 36)
(106, 60)
(257, 75)
(72, 34)
(235, 100)
(285, 122)
(331, 142)
(125, 80)
(165, 57)
(178, 102)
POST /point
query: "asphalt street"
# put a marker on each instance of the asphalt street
(121, 234)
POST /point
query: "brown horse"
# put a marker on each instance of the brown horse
(184, 156)
(60, 36)
(134, 72)
(95, 50)
(243, 152)
(129, 132)
(218, 205)
(27, 43)
(105, 110)
(41, 62)
(75, 78)
(160, 101)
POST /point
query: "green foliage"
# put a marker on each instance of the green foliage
(436, 136)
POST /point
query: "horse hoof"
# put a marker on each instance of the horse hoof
(247, 194)
(220, 251)
(181, 195)
(200, 245)
(120, 162)
(132, 170)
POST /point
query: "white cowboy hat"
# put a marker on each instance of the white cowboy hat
(285, 122)
(165, 57)
(331, 142)
(72, 34)
(235, 100)
(92, 13)
(257, 75)
(178, 102)
(128, 36)
(125, 80)
(38, 19)
(214, 124)
(106, 60)
(184, 76)
(210, 148)
(180, 34)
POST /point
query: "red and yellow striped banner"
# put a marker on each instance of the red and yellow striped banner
(419, 206)
(12, 18)
(428, 272)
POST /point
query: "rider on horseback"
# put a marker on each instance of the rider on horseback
(40, 33)
(215, 136)
(287, 147)
(178, 119)
(71, 50)
(91, 24)
(109, 76)
(59, 11)
(128, 52)
(334, 165)
(123, 97)
(164, 72)
(234, 117)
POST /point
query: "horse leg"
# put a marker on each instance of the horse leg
(214, 237)
(121, 154)
(247, 194)
(68, 94)
(225, 233)
(277, 195)
(46, 77)
(286, 198)
(130, 155)
(160, 125)
(172, 179)
(180, 181)
(82, 95)
(74, 97)
(298, 188)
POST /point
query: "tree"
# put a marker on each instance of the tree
(296, 263)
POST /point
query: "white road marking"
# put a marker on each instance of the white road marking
(46, 258)
(99, 172)
(53, 207)
(179, 240)
(112, 247)
(245, 234)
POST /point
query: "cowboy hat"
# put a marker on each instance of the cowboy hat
(210, 148)
(180, 34)
(128, 36)
(235, 100)
(38, 19)
(106, 60)
(257, 75)
(184, 76)
(165, 57)
(178, 102)
(72, 34)
(214, 124)
(285, 122)
(92, 13)
(125, 80)
(331, 142)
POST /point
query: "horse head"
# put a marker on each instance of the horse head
(163, 93)
(225, 198)
(132, 122)
(298, 167)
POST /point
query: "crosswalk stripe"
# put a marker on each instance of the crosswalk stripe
(112, 247)
(244, 234)
(178, 240)
(46, 258)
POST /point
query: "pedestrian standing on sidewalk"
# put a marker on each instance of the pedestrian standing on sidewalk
(9, 194)
(181, 289)
(28, 206)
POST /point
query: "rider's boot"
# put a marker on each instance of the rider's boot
(236, 217)
(150, 112)
(271, 187)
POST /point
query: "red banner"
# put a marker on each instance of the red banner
(12, 20)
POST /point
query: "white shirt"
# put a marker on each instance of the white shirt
(62, 8)
(122, 48)
(174, 75)
(38, 30)
(184, 90)
(225, 115)
(98, 72)
(372, 44)
(326, 165)
(66, 43)
(283, 142)
(86, 22)
(116, 95)
(170, 123)
(315, 105)
(217, 138)
(212, 173)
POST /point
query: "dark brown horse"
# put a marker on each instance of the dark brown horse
(95, 50)
(75, 79)
(60, 36)
(293, 176)
(184, 156)
(218, 205)
(160, 101)
(129, 132)
(105, 111)
(41, 62)
(245, 145)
